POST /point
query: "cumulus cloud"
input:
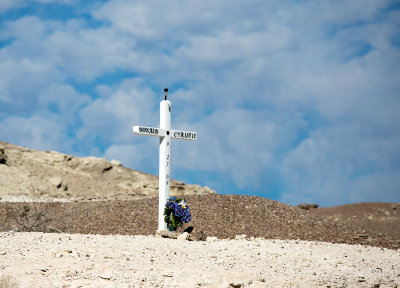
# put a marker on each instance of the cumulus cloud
(111, 117)
(142, 155)
(70, 49)
(51, 123)
(10, 4)
(344, 165)
(63, 98)
(6, 5)
(41, 133)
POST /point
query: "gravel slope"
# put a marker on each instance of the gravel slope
(78, 260)
(380, 217)
(223, 216)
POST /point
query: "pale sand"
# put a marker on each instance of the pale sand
(66, 260)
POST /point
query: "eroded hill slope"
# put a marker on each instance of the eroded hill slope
(50, 175)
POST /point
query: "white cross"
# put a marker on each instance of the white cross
(165, 133)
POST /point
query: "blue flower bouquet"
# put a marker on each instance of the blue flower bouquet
(176, 212)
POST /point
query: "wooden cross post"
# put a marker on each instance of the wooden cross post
(165, 133)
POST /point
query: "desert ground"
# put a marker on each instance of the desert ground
(38, 259)
(237, 241)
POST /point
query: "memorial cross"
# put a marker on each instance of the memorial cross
(165, 133)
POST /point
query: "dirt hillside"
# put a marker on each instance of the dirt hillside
(222, 216)
(50, 175)
(378, 217)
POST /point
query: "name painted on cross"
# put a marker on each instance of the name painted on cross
(184, 135)
(150, 131)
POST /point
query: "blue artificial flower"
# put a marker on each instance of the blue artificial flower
(176, 212)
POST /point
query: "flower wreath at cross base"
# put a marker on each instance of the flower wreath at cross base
(176, 212)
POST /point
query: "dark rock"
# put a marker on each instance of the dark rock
(3, 157)
(107, 168)
(361, 236)
(396, 207)
(168, 234)
(307, 206)
(236, 285)
(189, 229)
(198, 236)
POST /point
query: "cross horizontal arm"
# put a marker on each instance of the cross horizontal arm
(152, 131)
(184, 135)
(149, 131)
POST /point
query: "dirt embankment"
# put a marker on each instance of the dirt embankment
(223, 216)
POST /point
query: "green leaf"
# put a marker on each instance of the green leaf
(173, 220)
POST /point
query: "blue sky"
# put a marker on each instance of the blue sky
(296, 101)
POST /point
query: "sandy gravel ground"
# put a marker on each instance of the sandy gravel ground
(222, 216)
(80, 260)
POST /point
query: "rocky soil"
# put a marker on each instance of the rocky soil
(50, 175)
(222, 216)
(380, 217)
(77, 260)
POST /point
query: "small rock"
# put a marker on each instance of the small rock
(189, 229)
(197, 235)
(183, 236)
(107, 275)
(67, 158)
(56, 181)
(360, 279)
(360, 236)
(236, 285)
(211, 239)
(116, 162)
(209, 190)
(107, 168)
(3, 157)
(307, 206)
(71, 273)
(241, 237)
(167, 234)
(395, 207)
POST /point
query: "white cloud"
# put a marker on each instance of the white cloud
(64, 96)
(6, 5)
(35, 132)
(70, 50)
(21, 82)
(144, 155)
(85, 54)
(112, 116)
(342, 165)
(240, 144)
(153, 20)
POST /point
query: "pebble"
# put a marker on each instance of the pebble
(183, 236)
